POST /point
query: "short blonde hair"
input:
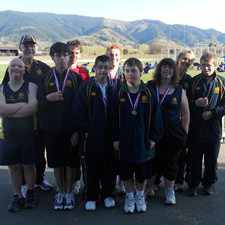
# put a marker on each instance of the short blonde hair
(185, 52)
(207, 56)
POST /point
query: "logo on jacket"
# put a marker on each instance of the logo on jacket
(174, 101)
(216, 90)
(39, 72)
(144, 99)
(69, 83)
(21, 96)
(93, 93)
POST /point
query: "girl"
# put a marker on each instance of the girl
(175, 112)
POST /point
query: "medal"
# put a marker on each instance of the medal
(134, 106)
(134, 113)
(57, 81)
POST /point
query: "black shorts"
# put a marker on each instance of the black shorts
(166, 160)
(14, 152)
(60, 152)
(141, 171)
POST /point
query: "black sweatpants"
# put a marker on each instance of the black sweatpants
(40, 164)
(166, 160)
(183, 172)
(209, 150)
(99, 173)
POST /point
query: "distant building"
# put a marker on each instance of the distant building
(9, 51)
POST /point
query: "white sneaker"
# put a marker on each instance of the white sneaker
(24, 190)
(69, 201)
(90, 205)
(140, 202)
(129, 204)
(59, 201)
(109, 202)
(170, 196)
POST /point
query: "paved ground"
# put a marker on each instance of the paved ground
(202, 210)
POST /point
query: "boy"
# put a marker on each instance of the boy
(35, 72)
(75, 48)
(116, 72)
(18, 104)
(58, 92)
(93, 111)
(207, 107)
(135, 134)
(184, 61)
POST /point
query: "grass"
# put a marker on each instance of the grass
(2, 71)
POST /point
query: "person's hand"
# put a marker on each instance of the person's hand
(74, 139)
(55, 96)
(116, 145)
(202, 102)
(152, 144)
(207, 115)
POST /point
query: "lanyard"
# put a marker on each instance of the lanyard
(57, 81)
(135, 104)
(103, 91)
(163, 97)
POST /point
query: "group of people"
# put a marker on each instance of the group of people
(112, 128)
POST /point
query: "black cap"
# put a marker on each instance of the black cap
(27, 39)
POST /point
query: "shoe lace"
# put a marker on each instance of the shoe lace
(59, 198)
(130, 201)
(170, 195)
(69, 198)
(139, 199)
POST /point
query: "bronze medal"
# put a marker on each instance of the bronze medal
(134, 113)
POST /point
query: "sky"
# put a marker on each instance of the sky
(200, 13)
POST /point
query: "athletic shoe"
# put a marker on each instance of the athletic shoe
(129, 204)
(170, 196)
(90, 205)
(109, 202)
(16, 204)
(59, 201)
(69, 201)
(140, 202)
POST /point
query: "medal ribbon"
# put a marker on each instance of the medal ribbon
(57, 81)
(163, 97)
(134, 106)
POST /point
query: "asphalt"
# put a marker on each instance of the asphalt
(200, 210)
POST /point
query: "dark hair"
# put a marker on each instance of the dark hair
(59, 47)
(101, 58)
(134, 62)
(169, 62)
(74, 44)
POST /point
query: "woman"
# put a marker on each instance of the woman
(175, 113)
